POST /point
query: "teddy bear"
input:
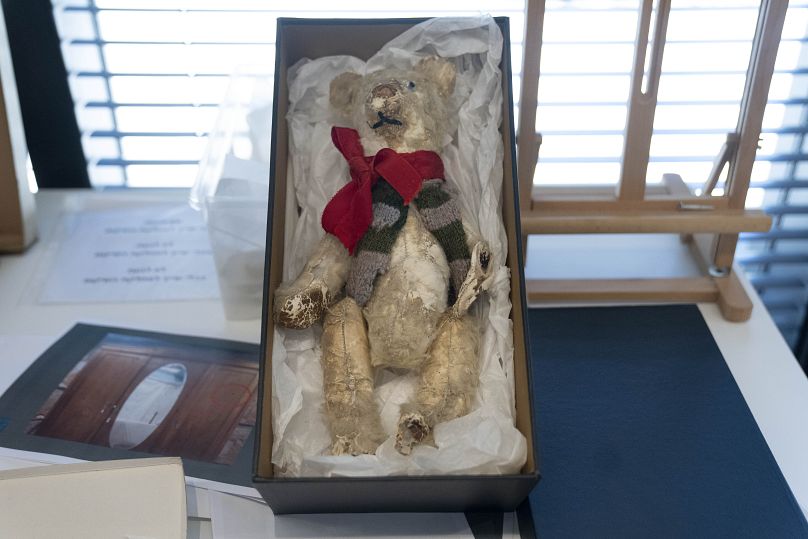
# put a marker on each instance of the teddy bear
(398, 267)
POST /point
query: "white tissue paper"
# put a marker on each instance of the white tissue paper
(485, 441)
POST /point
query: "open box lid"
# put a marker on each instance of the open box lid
(120, 498)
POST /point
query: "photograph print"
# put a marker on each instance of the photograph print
(155, 397)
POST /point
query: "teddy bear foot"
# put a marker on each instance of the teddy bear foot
(413, 430)
(354, 444)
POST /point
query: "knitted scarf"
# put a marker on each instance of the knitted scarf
(374, 207)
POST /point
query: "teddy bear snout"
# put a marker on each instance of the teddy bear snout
(383, 106)
(385, 98)
(384, 91)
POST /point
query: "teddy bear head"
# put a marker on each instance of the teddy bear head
(405, 110)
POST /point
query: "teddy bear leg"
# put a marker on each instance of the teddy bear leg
(301, 303)
(448, 380)
(348, 381)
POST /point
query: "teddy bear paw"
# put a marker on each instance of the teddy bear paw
(476, 279)
(302, 309)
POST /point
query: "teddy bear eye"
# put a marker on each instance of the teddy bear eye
(411, 85)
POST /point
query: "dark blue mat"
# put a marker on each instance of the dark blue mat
(643, 432)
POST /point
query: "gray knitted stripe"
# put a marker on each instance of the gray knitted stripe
(430, 183)
(435, 218)
(384, 215)
(459, 269)
(365, 267)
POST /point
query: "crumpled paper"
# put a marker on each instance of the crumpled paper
(485, 441)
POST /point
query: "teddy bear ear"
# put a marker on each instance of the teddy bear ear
(342, 91)
(439, 70)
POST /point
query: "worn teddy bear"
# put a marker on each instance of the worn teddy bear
(397, 248)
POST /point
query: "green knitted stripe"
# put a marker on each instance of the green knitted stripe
(381, 239)
(384, 192)
(452, 238)
(432, 196)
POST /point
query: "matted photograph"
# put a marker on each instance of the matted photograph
(104, 393)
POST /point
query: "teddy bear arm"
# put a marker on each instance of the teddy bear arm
(302, 302)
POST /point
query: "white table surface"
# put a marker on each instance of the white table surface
(764, 368)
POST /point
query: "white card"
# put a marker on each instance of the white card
(150, 253)
(124, 498)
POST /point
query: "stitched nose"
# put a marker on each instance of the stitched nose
(384, 91)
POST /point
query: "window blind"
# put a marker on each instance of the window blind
(147, 77)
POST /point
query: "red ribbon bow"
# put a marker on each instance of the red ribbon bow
(350, 212)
